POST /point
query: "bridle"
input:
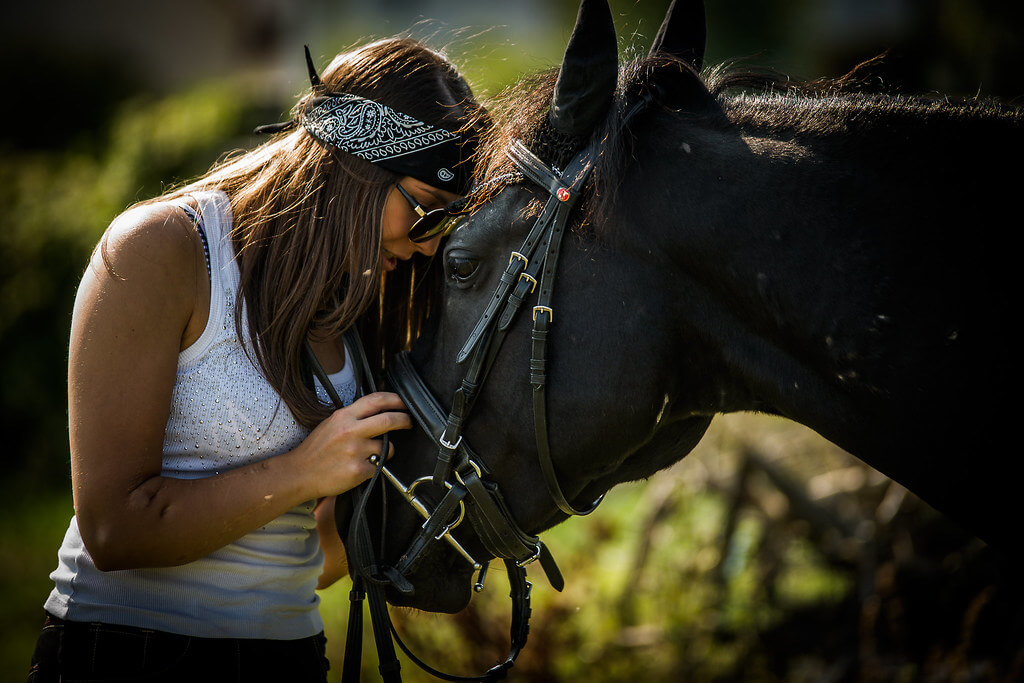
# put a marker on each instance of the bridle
(469, 493)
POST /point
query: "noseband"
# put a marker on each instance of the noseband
(469, 492)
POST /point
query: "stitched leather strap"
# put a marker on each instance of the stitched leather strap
(434, 528)
(486, 509)
(518, 262)
(533, 168)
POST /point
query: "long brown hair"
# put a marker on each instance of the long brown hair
(307, 223)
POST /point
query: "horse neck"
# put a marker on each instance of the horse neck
(816, 247)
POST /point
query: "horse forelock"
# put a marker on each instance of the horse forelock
(520, 112)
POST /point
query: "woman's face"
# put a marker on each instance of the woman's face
(399, 217)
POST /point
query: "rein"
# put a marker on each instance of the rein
(469, 492)
(369, 579)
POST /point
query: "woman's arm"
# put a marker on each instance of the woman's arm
(127, 330)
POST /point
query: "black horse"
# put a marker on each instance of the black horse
(837, 258)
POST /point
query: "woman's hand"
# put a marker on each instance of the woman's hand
(339, 449)
(336, 454)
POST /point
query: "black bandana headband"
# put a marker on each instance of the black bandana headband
(383, 136)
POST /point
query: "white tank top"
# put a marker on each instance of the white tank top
(224, 414)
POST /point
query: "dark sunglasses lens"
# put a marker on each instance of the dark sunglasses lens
(437, 222)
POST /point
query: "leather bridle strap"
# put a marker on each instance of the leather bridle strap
(483, 343)
(485, 340)
(369, 579)
(519, 591)
(359, 546)
(543, 315)
(517, 262)
(487, 511)
(439, 523)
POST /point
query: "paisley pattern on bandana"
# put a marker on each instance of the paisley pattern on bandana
(368, 129)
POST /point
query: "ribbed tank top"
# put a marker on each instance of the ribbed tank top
(224, 414)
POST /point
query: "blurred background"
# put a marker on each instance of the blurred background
(768, 554)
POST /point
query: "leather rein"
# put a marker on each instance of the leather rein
(469, 493)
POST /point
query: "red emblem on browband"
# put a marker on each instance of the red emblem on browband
(562, 194)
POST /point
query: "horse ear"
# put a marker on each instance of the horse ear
(683, 33)
(589, 72)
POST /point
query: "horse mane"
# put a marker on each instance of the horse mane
(733, 96)
(828, 107)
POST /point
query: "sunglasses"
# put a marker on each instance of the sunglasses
(430, 224)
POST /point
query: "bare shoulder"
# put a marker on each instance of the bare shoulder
(146, 271)
(149, 240)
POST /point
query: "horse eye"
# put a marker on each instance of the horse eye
(461, 268)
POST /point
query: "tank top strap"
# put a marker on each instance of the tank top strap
(197, 221)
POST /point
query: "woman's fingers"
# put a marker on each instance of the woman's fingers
(376, 414)
(377, 402)
(375, 425)
(380, 447)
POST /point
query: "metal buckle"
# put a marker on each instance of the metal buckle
(450, 446)
(551, 313)
(532, 558)
(451, 525)
(516, 255)
(533, 281)
(476, 468)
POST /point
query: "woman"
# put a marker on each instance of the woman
(200, 444)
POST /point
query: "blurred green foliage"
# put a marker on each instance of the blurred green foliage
(715, 570)
(54, 206)
(28, 553)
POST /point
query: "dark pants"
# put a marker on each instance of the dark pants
(71, 651)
